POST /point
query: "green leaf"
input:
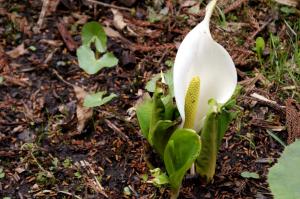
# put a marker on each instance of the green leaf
(158, 109)
(107, 60)
(180, 153)
(259, 45)
(151, 85)
(247, 174)
(288, 10)
(169, 63)
(215, 126)
(168, 80)
(2, 174)
(1, 79)
(153, 16)
(97, 99)
(160, 135)
(88, 62)
(94, 32)
(144, 113)
(159, 178)
(150, 112)
(284, 176)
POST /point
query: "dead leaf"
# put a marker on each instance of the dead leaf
(293, 3)
(49, 6)
(292, 120)
(81, 18)
(20, 22)
(18, 51)
(118, 21)
(67, 38)
(83, 113)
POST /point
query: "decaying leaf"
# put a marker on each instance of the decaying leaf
(292, 120)
(293, 3)
(18, 51)
(83, 113)
(118, 19)
(49, 6)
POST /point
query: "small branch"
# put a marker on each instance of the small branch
(61, 78)
(70, 194)
(260, 29)
(108, 5)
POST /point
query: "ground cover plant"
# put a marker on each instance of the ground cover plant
(74, 73)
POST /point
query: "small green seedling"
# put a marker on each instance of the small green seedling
(1, 79)
(77, 174)
(67, 163)
(93, 35)
(158, 177)
(259, 48)
(247, 174)
(97, 99)
(2, 174)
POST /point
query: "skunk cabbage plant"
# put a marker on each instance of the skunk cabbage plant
(205, 68)
(204, 80)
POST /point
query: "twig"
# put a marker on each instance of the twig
(260, 29)
(108, 5)
(70, 194)
(234, 6)
(61, 78)
(116, 129)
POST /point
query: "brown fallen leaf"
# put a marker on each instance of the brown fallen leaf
(49, 6)
(65, 34)
(292, 120)
(293, 3)
(18, 51)
(118, 21)
(120, 24)
(20, 22)
(83, 113)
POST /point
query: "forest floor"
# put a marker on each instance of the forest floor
(47, 152)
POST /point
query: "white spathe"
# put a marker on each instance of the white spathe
(199, 55)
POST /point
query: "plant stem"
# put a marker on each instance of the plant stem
(174, 193)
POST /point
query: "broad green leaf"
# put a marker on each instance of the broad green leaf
(88, 62)
(144, 113)
(160, 135)
(158, 109)
(94, 32)
(247, 174)
(150, 112)
(151, 85)
(1, 79)
(215, 126)
(168, 80)
(181, 151)
(107, 60)
(284, 176)
(97, 99)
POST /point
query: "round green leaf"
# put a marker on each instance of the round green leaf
(97, 99)
(107, 60)
(180, 153)
(94, 32)
(284, 176)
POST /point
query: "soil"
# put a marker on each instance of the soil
(41, 151)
